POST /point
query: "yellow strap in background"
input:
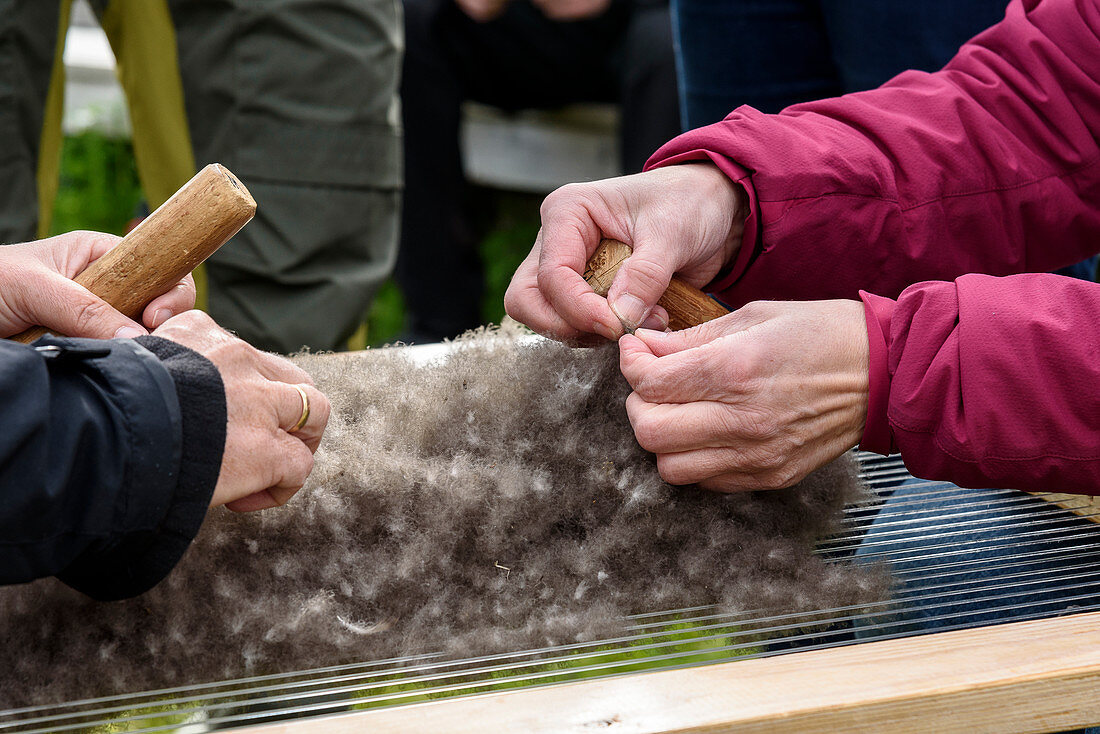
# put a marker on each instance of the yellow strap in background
(144, 42)
(49, 141)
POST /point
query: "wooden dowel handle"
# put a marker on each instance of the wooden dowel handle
(169, 244)
(687, 306)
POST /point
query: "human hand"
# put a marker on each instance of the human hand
(37, 289)
(754, 400)
(264, 464)
(567, 10)
(684, 220)
(482, 10)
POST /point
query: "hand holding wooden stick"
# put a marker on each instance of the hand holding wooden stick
(171, 242)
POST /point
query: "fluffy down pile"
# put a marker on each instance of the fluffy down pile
(494, 502)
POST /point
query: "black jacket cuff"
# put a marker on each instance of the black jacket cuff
(145, 556)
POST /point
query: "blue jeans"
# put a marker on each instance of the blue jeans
(978, 556)
(774, 53)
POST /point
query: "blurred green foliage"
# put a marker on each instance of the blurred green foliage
(681, 644)
(99, 190)
(508, 240)
(99, 186)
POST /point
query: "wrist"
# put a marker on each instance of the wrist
(731, 203)
(740, 206)
(877, 434)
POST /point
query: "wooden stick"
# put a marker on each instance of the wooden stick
(1035, 676)
(169, 244)
(687, 306)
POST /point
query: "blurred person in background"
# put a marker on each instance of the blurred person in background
(512, 54)
(298, 98)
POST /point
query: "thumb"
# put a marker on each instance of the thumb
(641, 281)
(71, 309)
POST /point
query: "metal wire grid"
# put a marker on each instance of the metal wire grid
(949, 574)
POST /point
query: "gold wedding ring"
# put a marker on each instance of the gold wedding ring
(305, 409)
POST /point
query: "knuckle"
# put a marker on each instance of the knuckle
(191, 319)
(761, 429)
(323, 409)
(662, 381)
(648, 433)
(80, 239)
(560, 195)
(780, 478)
(300, 464)
(748, 426)
(88, 314)
(513, 303)
(201, 318)
(651, 275)
(284, 365)
(233, 352)
(553, 200)
(757, 310)
(753, 308)
(650, 387)
(669, 471)
(744, 367)
(240, 349)
(771, 461)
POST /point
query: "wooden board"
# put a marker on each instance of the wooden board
(1034, 676)
(1079, 504)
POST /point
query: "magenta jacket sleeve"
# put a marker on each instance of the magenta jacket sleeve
(990, 381)
(990, 165)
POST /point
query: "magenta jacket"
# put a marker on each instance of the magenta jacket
(990, 167)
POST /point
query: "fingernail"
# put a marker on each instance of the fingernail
(602, 329)
(650, 334)
(129, 332)
(655, 321)
(161, 315)
(630, 310)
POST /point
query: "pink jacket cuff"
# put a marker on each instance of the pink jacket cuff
(732, 271)
(877, 434)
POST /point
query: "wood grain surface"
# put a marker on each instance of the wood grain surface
(687, 306)
(171, 242)
(1033, 676)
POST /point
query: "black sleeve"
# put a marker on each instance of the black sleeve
(109, 454)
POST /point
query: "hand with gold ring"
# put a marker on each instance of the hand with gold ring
(275, 416)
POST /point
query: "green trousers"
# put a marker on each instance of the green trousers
(296, 97)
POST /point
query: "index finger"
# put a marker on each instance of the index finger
(180, 298)
(524, 302)
(72, 252)
(567, 239)
(703, 373)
